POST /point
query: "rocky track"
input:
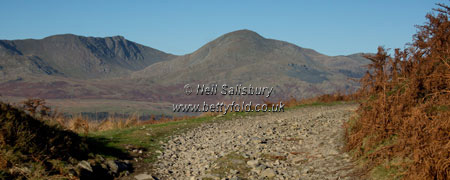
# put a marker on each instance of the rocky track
(304, 143)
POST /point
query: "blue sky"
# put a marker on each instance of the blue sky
(180, 27)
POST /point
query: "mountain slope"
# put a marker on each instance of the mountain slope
(246, 57)
(76, 57)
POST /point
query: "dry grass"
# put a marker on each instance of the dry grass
(406, 99)
(80, 124)
(83, 125)
(322, 99)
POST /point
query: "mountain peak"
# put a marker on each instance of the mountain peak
(243, 33)
(240, 38)
(74, 36)
(118, 37)
(62, 36)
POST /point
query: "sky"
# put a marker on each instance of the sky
(180, 27)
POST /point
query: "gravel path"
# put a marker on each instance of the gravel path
(304, 143)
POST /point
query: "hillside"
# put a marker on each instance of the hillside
(245, 57)
(402, 128)
(38, 146)
(74, 56)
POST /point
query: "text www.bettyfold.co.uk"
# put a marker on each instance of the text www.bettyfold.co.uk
(231, 107)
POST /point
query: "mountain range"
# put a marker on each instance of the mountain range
(75, 68)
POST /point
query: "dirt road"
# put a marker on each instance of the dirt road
(304, 143)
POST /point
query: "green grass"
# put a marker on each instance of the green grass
(388, 170)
